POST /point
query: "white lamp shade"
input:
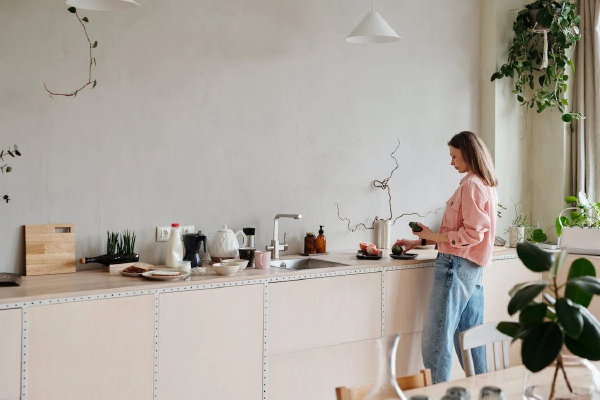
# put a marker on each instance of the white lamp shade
(102, 5)
(373, 29)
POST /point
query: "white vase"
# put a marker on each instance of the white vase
(383, 229)
(516, 234)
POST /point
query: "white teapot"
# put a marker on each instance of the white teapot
(224, 244)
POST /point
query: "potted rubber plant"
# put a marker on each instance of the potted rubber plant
(553, 321)
(579, 230)
(540, 54)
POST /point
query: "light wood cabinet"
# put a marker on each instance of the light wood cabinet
(323, 312)
(10, 354)
(406, 297)
(211, 344)
(98, 349)
(313, 374)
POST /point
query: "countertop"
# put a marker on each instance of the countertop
(94, 282)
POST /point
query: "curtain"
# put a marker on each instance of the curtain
(585, 138)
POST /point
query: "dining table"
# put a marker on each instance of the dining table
(511, 380)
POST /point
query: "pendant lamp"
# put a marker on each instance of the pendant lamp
(102, 5)
(373, 29)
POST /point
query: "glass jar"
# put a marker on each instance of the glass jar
(579, 379)
(386, 387)
(310, 243)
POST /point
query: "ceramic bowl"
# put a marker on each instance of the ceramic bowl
(243, 263)
(226, 269)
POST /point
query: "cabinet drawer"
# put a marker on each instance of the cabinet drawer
(323, 312)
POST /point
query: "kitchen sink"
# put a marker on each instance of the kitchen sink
(305, 263)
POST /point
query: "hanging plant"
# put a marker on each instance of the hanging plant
(545, 33)
(91, 63)
(5, 167)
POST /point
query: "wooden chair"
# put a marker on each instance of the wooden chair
(421, 379)
(483, 335)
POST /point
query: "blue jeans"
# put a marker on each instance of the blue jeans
(455, 305)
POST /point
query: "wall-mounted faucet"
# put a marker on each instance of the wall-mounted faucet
(275, 247)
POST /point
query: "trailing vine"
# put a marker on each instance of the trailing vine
(537, 58)
(92, 60)
(5, 167)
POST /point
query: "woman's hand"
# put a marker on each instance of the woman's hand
(408, 244)
(426, 233)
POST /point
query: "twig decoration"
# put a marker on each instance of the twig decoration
(383, 185)
(92, 61)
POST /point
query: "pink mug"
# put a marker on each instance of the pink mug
(262, 259)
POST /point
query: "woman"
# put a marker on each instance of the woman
(465, 242)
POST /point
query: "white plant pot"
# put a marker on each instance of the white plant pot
(383, 228)
(580, 240)
(516, 234)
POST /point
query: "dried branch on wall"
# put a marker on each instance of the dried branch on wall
(92, 60)
(383, 184)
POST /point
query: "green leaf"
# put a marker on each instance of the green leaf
(95, 44)
(571, 199)
(496, 75)
(8, 168)
(534, 258)
(541, 346)
(85, 19)
(520, 98)
(72, 10)
(567, 118)
(538, 236)
(94, 84)
(525, 296)
(588, 284)
(586, 345)
(580, 267)
(532, 315)
(569, 317)
(508, 328)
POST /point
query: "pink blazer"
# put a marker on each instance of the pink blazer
(470, 221)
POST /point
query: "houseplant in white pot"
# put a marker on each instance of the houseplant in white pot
(579, 231)
(521, 229)
(554, 321)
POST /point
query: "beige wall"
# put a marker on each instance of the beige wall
(212, 113)
(530, 149)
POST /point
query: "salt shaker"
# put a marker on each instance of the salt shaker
(491, 393)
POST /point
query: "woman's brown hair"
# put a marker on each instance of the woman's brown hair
(476, 154)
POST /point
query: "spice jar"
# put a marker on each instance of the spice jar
(310, 243)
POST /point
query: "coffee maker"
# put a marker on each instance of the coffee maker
(192, 241)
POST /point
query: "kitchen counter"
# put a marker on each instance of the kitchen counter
(94, 282)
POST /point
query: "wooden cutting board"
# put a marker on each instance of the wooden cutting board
(49, 249)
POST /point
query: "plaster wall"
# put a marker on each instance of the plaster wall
(210, 113)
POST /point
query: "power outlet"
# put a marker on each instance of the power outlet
(163, 233)
(188, 229)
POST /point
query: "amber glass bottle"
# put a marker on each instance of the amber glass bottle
(310, 243)
(321, 242)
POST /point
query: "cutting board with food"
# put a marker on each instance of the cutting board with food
(49, 249)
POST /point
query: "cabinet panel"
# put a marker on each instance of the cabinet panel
(100, 349)
(314, 374)
(211, 344)
(322, 312)
(406, 297)
(498, 279)
(10, 354)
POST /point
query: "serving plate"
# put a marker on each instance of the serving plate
(363, 255)
(134, 274)
(405, 256)
(165, 275)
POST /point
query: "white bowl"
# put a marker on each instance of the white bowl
(226, 269)
(242, 263)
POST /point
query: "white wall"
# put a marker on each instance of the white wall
(210, 112)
